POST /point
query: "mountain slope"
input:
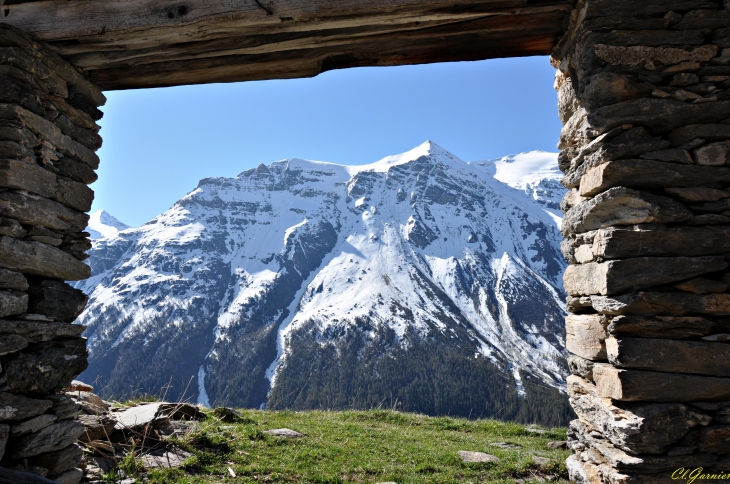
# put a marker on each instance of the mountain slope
(419, 281)
(103, 225)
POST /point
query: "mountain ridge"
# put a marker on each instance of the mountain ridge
(380, 262)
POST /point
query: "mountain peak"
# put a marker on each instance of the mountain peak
(104, 225)
(427, 148)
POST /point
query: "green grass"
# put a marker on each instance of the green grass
(364, 447)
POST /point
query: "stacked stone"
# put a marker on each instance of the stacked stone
(644, 97)
(48, 135)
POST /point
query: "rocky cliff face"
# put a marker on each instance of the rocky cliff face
(419, 282)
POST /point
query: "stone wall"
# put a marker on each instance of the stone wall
(48, 135)
(644, 97)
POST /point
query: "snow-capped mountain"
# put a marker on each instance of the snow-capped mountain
(536, 173)
(419, 281)
(102, 225)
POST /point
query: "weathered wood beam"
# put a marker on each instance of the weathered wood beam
(388, 51)
(271, 42)
(190, 20)
(140, 43)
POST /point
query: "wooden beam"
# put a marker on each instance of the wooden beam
(141, 43)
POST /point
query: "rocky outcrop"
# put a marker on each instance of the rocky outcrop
(644, 95)
(48, 135)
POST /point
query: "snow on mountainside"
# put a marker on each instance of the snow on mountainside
(536, 173)
(418, 279)
(102, 225)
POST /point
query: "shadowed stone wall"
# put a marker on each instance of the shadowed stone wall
(644, 97)
(48, 135)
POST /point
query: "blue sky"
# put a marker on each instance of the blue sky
(159, 142)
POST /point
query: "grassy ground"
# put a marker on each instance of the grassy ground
(363, 447)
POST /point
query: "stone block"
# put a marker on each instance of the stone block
(718, 206)
(697, 357)
(22, 94)
(667, 303)
(702, 131)
(89, 403)
(633, 142)
(74, 170)
(41, 260)
(55, 299)
(676, 155)
(52, 438)
(48, 131)
(640, 428)
(647, 8)
(697, 194)
(649, 174)
(37, 331)
(612, 460)
(32, 209)
(12, 280)
(98, 427)
(34, 425)
(71, 476)
(581, 367)
(8, 476)
(715, 439)
(86, 137)
(658, 114)
(619, 242)
(608, 87)
(616, 276)
(704, 19)
(64, 407)
(11, 228)
(30, 177)
(60, 460)
(16, 151)
(12, 343)
(670, 327)
(585, 336)
(700, 285)
(46, 367)
(17, 407)
(652, 58)
(79, 117)
(653, 386)
(623, 206)
(578, 304)
(567, 101)
(713, 154)
(12, 303)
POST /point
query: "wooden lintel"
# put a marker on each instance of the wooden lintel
(125, 44)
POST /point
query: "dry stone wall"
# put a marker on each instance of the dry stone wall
(644, 97)
(48, 135)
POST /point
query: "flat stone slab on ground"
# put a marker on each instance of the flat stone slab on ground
(288, 433)
(137, 417)
(469, 456)
(166, 460)
(505, 445)
(181, 411)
